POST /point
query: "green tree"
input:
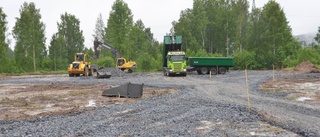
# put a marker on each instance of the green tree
(317, 38)
(183, 27)
(30, 38)
(99, 31)
(4, 47)
(69, 31)
(57, 53)
(277, 39)
(118, 29)
(240, 10)
(199, 22)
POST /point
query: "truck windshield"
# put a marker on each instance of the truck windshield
(177, 58)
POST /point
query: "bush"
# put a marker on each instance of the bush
(302, 55)
(245, 59)
(105, 62)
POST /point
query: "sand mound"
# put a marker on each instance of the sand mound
(306, 67)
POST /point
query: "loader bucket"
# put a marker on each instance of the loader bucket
(103, 74)
(128, 90)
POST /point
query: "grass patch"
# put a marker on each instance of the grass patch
(35, 73)
(81, 93)
(272, 90)
(15, 102)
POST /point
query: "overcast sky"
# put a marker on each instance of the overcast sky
(303, 15)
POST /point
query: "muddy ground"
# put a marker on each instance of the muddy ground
(20, 101)
(196, 105)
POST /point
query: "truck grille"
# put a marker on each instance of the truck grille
(75, 66)
(177, 66)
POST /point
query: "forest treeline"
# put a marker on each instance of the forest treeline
(257, 38)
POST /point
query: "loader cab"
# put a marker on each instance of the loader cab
(79, 57)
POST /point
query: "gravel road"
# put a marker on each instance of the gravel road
(203, 106)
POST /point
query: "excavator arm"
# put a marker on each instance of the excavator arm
(112, 49)
(121, 62)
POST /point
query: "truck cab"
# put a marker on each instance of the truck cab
(174, 59)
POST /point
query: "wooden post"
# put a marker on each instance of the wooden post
(273, 72)
(248, 94)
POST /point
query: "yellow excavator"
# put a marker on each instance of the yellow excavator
(121, 62)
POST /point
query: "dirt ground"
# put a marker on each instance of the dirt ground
(19, 101)
(307, 89)
(297, 89)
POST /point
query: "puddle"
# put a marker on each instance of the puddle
(91, 103)
(303, 98)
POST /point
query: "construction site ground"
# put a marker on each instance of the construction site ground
(20, 101)
(272, 103)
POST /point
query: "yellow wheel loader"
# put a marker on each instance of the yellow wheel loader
(80, 66)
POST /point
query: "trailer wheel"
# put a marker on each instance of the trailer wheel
(199, 71)
(213, 71)
(204, 70)
(222, 70)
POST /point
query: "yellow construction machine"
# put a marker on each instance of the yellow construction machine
(121, 62)
(80, 66)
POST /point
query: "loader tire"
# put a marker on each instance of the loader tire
(86, 71)
(91, 72)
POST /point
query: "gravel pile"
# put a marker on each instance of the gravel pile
(203, 106)
(115, 72)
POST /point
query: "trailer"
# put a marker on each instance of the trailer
(205, 65)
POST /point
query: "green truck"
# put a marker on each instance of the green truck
(174, 59)
(205, 65)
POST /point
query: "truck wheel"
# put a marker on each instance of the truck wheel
(71, 75)
(222, 70)
(184, 74)
(204, 70)
(166, 73)
(213, 71)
